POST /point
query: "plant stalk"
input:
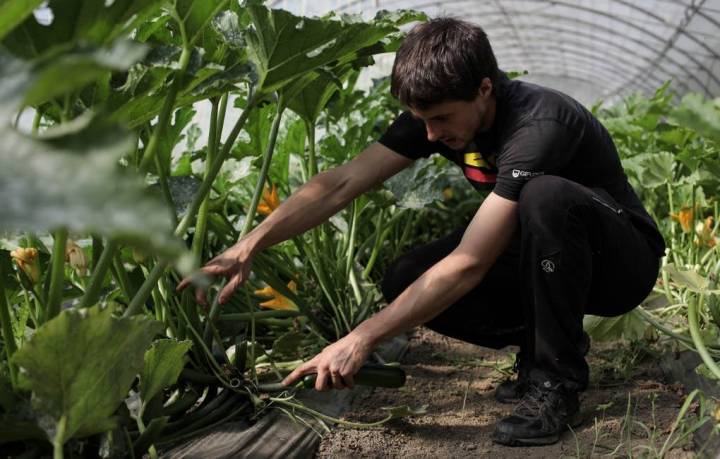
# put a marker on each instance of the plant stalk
(98, 276)
(142, 295)
(149, 153)
(57, 274)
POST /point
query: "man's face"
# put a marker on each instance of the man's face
(455, 123)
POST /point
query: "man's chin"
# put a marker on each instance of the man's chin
(456, 144)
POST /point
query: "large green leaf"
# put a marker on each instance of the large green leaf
(74, 181)
(284, 47)
(13, 12)
(656, 169)
(163, 363)
(80, 366)
(413, 188)
(75, 21)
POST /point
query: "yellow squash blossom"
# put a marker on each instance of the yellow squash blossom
(269, 201)
(705, 233)
(685, 217)
(278, 301)
(75, 255)
(27, 261)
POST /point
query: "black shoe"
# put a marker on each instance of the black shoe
(512, 390)
(544, 413)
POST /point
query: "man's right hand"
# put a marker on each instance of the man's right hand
(233, 264)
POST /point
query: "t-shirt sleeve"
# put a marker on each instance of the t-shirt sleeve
(539, 147)
(407, 136)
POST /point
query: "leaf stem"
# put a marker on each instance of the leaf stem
(159, 131)
(7, 332)
(98, 276)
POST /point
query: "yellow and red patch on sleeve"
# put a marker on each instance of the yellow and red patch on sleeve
(480, 169)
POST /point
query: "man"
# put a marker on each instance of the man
(561, 234)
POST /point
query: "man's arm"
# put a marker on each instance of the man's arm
(313, 203)
(327, 193)
(443, 284)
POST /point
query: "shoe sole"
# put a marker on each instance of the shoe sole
(507, 440)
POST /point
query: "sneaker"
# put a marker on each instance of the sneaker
(512, 390)
(542, 415)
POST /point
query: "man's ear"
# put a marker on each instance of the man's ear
(486, 88)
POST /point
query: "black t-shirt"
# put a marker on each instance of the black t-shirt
(536, 131)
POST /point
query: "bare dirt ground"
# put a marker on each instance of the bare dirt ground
(628, 409)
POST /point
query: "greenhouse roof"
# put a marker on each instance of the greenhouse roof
(600, 49)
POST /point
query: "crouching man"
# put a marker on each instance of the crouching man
(561, 233)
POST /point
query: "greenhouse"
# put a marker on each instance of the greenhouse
(352, 228)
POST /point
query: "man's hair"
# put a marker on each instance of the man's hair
(441, 60)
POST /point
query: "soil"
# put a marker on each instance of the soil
(456, 381)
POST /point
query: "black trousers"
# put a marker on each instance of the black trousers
(575, 252)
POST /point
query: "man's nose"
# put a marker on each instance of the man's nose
(433, 134)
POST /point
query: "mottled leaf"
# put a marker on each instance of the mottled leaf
(81, 364)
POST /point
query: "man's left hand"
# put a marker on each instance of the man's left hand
(336, 364)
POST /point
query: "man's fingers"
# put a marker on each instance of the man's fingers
(297, 373)
(183, 283)
(337, 380)
(200, 296)
(321, 380)
(229, 289)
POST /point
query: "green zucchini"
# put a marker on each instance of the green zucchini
(370, 374)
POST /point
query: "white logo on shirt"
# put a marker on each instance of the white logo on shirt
(525, 174)
(548, 266)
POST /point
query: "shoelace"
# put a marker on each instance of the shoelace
(532, 402)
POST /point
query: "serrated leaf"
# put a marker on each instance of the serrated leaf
(163, 363)
(81, 364)
(284, 47)
(656, 169)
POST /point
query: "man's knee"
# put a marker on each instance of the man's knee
(544, 197)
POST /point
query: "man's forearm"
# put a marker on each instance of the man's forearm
(311, 204)
(439, 287)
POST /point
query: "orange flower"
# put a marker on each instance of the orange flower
(27, 261)
(705, 233)
(685, 217)
(278, 301)
(75, 255)
(269, 202)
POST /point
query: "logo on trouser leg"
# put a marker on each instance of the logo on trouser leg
(547, 266)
